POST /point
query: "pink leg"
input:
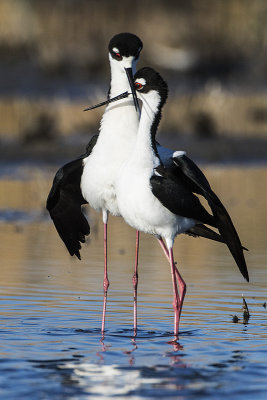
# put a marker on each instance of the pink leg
(164, 248)
(181, 282)
(105, 281)
(182, 289)
(176, 299)
(166, 252)
(135, 281)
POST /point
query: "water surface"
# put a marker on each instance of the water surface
(51, 304)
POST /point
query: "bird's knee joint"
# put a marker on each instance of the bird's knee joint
(183, 287)
(135, 280)
(106, 285)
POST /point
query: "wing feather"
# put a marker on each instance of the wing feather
(65, 201)
(188, 171)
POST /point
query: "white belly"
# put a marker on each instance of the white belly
(143, 211)
(98, 185)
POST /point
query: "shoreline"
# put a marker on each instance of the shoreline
(215, 150)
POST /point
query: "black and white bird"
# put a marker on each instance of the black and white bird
(91, 178)
(159, 196)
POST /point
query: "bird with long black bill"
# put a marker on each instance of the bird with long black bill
(161, 198)
(91, 177)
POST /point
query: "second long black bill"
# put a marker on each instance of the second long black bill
(103, 103)
(129, 73)
(130, 77)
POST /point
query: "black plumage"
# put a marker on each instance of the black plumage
(128, 44)
(175, 185)
(222, 218)
(177, 197)
(65, 200)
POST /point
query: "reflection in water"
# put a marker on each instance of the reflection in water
(172, 377)
(103, 379)
(51, 304)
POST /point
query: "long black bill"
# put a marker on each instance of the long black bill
(129, 73)
(119, 97)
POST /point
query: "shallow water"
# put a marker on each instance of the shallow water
(51, 304)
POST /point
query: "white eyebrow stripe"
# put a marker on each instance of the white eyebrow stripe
(141, 80)
(178, 153)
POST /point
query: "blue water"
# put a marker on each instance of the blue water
(57, 352)
(51, 346)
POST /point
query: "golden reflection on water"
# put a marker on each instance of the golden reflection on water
(33, 254)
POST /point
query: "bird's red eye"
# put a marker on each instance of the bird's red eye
(118, 56)
(138, 85)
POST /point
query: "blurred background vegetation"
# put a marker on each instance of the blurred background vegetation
(54, 63)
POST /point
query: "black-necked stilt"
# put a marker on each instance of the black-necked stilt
(159, 198)
(91, 178)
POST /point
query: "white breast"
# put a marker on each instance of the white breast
(116, 140)
(136, 202)
(142, 210)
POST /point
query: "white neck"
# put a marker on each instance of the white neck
(119, 81)
(120, 115)
(143, 153)
(120, 120)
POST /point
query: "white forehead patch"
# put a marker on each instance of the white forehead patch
(179, 153)
(141, 80)
(116, 50)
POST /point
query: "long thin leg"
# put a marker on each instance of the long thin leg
(135, 281)
(105, 281)
(178, 277)
(176, 299)
(166, 252)
(164, 248)
(182, 289)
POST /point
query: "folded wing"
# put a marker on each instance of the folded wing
(185, 173)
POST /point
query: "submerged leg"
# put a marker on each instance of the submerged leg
(105, 281)
(176, 298)
(135, 281)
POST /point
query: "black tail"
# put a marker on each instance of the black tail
(199, 184)
(201, 230)
(228, 232)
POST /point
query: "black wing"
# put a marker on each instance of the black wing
(65, 200)
(203, 231)
(188, 172)
(177, 198)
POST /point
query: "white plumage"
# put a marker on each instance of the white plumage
(156, 190)
(137, 204)
(116, 139)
